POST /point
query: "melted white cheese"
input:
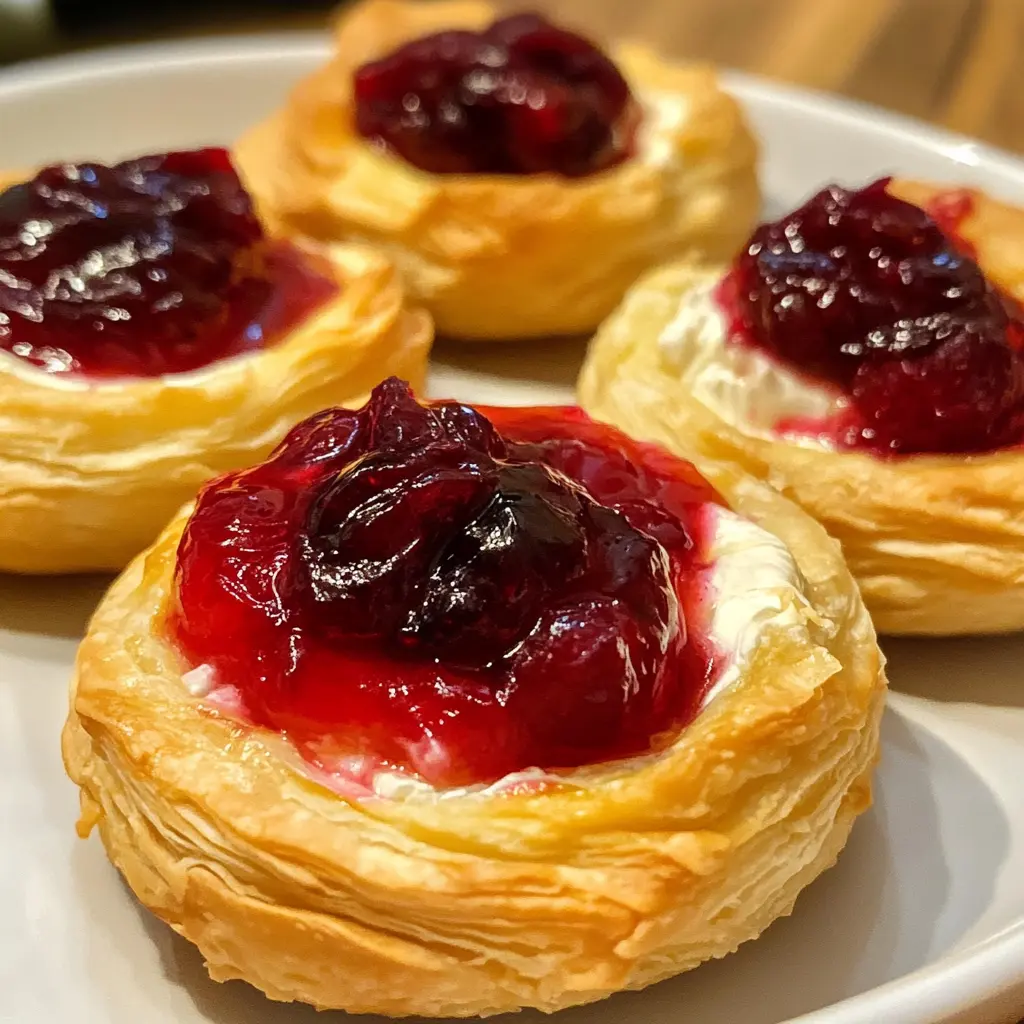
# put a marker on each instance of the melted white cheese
(753, 584)
(665, 115)
(200, 681)
(741, 385)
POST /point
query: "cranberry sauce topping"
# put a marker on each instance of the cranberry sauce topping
(155, 265)
(433, 590)
(949, 210)
(521, 97)
(867, 292)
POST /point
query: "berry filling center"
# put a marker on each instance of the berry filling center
(868, 292)
(428, 589)
(155, 265)
(520, 97)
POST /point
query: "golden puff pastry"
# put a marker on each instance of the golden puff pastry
(935, 541)
(994, 229)
(502, 256)
(616, 877)
(90, 471)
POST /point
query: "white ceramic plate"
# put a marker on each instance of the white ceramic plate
(922, 921)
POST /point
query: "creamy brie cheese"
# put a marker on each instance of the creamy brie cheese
(665, 114)
(200, 681)
(753, 585)
(741, 385)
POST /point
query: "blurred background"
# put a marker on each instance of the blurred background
(957, 63)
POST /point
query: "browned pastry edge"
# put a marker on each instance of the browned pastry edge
(504, 257)
(935, 542)
(89, 473)
(625, 874)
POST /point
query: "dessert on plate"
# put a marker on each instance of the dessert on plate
(446, 711)
(152, 335)
(519, 177)
(863, 354)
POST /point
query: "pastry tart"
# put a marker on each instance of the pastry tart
(445, 712)
(519, 178)
(864, 356)
(153, 336)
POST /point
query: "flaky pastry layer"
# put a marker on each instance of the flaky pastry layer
(935, 542)
(995, 229)
(90, 472)
(622, 875)
(494, 256)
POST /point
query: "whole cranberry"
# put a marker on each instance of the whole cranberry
(866, 291)
(521, 97)
(967, 388)
(154, 265)
(451, 593)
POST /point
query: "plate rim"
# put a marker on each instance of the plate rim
(969, 978)
(289, 44)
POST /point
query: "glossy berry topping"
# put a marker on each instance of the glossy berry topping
(949, 210)
(866, 291)
(521, 97)
(453, 594)
(151, 266)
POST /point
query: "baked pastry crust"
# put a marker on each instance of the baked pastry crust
(497, 257)
(624, 875)
(995, 229)
(936, 542)
(90, 472)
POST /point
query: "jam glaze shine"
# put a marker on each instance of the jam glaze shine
(523, 96)
(884, 300)
(152, 266)
(455, 594)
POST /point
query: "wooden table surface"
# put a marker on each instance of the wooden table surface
(958, 63)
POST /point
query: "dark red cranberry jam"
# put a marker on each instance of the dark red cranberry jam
(866, 291)
(451, 593)
(151, 266)
(949, 210)
(521, 97)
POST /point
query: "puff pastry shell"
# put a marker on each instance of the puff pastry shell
(475, 904)
(936, 542)
(90, 473)
(501, 256)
